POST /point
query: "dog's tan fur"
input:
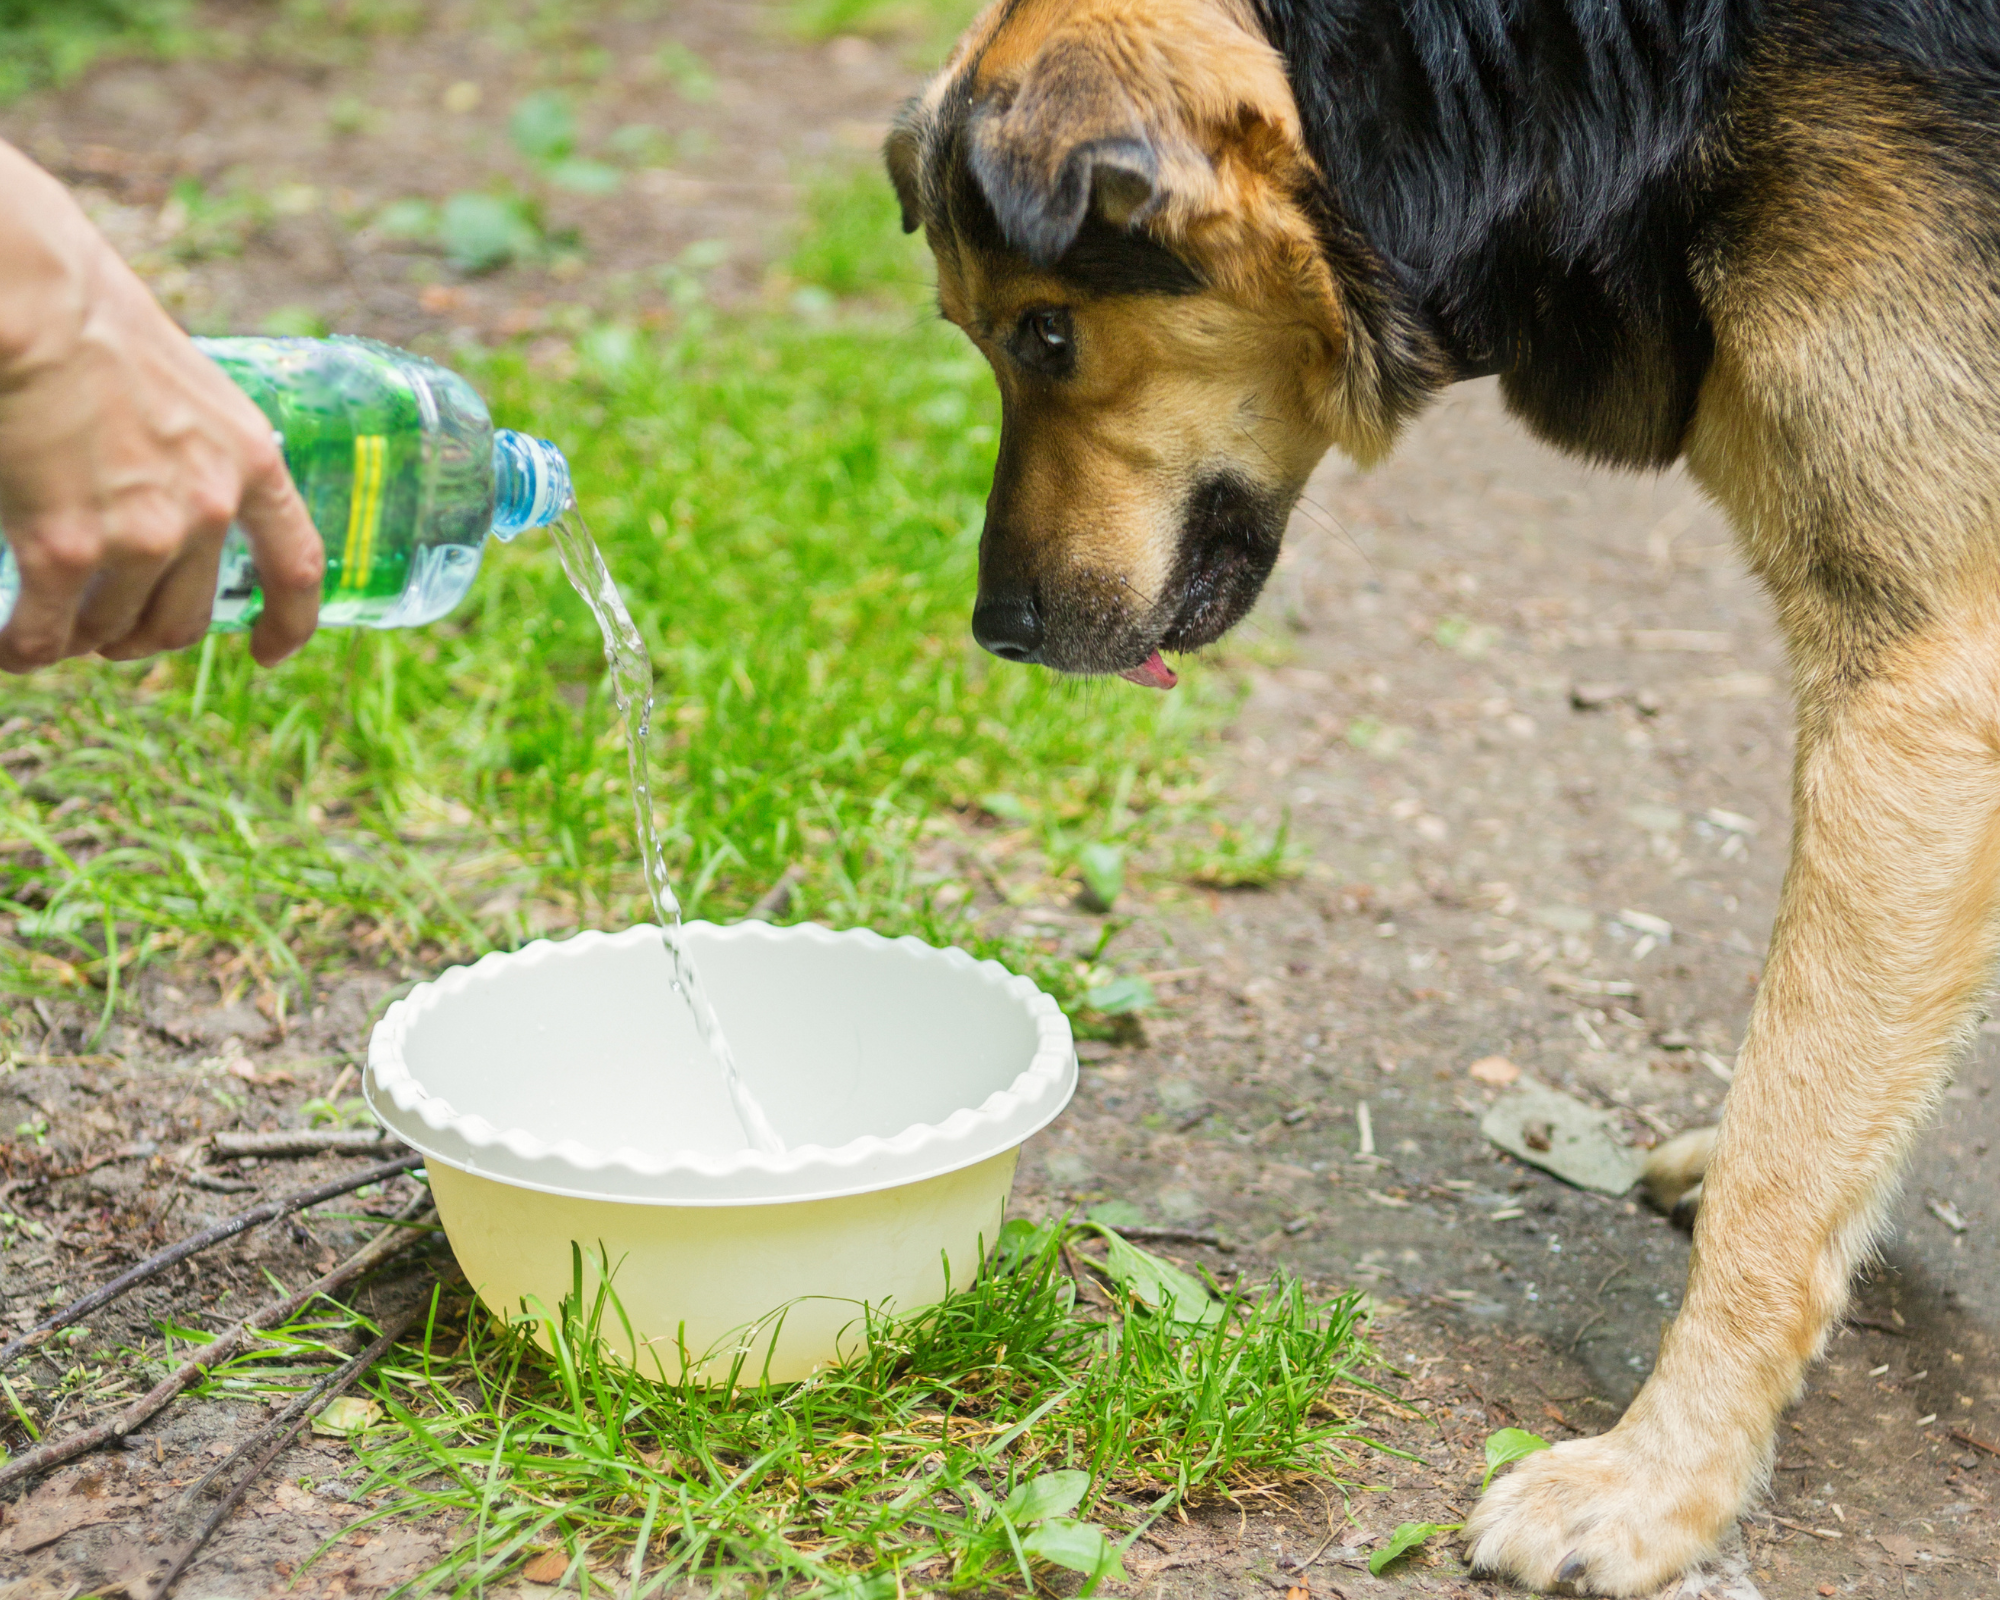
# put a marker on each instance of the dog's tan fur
(1849, 425)
(1265, 369)
(1848, 429)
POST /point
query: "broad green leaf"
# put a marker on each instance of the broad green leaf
(1103, 869)
(543, 127)
(1050, 1495)
(882, 1586)
(1116, 1214)
(1160, 1284)
(483, 231)
(1405, 1539)
(1506, 1447)
(585, 177)
(1021, 1240)
(1080, 1546)
(1120, 995)
(407, 219)
(690, 75)
(346, 1416)
(1006, 807)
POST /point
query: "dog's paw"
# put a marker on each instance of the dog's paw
(1673, 1174)
(1606, 1516)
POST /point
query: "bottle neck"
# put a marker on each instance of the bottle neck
(531, 486)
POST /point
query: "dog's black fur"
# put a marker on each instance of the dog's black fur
(1540, 181)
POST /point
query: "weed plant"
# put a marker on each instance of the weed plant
(791, 502)
(971, 1445)
(930, 25)
(51, 41)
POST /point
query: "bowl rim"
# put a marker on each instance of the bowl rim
(1003, 1120)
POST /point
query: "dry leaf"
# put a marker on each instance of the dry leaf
(55, 968)
(290, 1497)
(44, 1518)
(1494, 1071)
(345, 1416)
(548, 1567)
(1899, 1547)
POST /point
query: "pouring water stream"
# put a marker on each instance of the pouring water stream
(632, 691)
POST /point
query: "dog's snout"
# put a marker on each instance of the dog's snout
(1010, 625)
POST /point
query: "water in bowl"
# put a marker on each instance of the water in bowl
(632, 691)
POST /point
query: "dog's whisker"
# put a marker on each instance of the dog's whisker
(1323, 515)
(1149, 601)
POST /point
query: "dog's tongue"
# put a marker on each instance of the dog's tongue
(1152, 673)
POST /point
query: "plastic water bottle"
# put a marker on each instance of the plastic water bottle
(401, 468)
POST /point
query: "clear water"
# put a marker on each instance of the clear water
(632, 690)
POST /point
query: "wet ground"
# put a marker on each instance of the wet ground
(1529, 720)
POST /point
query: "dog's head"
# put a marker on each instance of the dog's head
(1124, 219)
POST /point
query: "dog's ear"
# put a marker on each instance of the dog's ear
(903, 153)
(1071, 135)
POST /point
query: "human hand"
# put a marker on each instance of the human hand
(125, 454)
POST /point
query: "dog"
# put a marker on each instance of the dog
(1201, 242)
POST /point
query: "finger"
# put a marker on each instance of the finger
(291, 562)
(178, 611)
(122, 588)
(55, 567)
(147, 591)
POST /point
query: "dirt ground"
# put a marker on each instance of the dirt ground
(1506, 701)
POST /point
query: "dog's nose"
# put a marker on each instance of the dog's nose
(1010, 626)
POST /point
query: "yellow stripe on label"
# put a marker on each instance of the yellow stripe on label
(364, 510)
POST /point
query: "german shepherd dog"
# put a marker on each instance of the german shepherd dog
(1202, 241)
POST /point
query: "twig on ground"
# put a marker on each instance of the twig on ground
(1332, 1532)
(1974, 1440)
(302, 1142)
(215, 1185)
(278, 1437)
(225, 1344)
(777, 900)
(153, 1266)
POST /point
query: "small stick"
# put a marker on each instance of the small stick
(776, 900)
(302, 1142)
(153, 1266)
(372, 1254)
(215, 1185)
(1800, 1527)
(336, 1381)
(1974, 1440)
(293, 1421)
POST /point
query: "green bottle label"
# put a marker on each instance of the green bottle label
(353, 430)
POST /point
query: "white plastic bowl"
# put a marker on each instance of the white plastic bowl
(562, 1094)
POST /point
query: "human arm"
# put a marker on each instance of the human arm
(125, 454)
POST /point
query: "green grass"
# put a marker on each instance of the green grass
(932, 24)
(791, 503)
(45, 42)
(970, 1446)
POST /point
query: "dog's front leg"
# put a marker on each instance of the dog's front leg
(1881, 950)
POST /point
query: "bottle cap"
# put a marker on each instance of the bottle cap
(531, 485)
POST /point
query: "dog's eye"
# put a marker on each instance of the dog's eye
(1044, 342)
